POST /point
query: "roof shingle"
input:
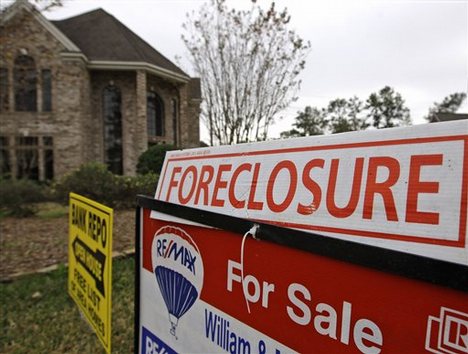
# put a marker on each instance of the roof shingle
(100, 36)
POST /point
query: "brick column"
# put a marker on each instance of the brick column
(141, 130)
(183, 117)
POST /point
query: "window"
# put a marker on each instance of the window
(5, 170)
(48, 147)
(25, 84)
(30, 157)
(175, 113)
(155, 114)
(112, 129)
(4, 104)
(46, 79)
(27, 157)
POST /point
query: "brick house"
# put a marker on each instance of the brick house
(86, 89)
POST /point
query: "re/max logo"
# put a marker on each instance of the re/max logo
(176, 252)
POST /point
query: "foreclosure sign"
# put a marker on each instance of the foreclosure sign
(404, 189)
(90, 263)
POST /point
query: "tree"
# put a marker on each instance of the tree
(248, 63)
(42, 5)
(346, 115)
(46, 5)
(450, 104)
(387, 109)
(310, 122)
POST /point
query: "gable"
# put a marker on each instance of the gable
(21, 6)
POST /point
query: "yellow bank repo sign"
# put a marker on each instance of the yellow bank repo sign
(90, 263)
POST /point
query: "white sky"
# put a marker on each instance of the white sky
(420, 48)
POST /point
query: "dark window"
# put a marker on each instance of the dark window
(46, 90)
(48, 144)
(155, 114)
(175, 113)
(25, 84)
(27, 161)
(49, 164)
(26, 141)
(5, 169)
(4, 104)
(112, 129)
(27, 157)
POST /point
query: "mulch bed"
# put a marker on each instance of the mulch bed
(31, 244)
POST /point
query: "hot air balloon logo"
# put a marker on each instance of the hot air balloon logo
(178, 268)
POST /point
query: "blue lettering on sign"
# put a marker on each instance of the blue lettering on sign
(177, 252)
(150, 344)
(217, 330)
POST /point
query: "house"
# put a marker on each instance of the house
(86, 89)
(445, 117)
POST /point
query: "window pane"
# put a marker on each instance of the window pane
(155, 114)
(4, 105)
(27, 141)
(46, 90)
(49, 164)
(151, 113)
(3, 142)
(25, 84)
(27, 164)
(113, 129)
(5, 169)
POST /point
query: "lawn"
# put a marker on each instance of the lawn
(38, 316)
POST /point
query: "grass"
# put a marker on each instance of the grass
(38, 316)
(51, 210)
(43, 210)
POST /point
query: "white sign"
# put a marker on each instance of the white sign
(404, 189)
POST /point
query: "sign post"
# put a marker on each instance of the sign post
(90, 263)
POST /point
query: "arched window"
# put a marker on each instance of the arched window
(112, 129)
(155, 114)
(25, 78)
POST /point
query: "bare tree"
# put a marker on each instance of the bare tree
(41, 5)
(46, 5)
(248, 62)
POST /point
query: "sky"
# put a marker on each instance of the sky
(418, 47)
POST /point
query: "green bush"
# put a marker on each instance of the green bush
(91, 180)
(95, 182)
(153, 158)
(130, 187)
(17, 197)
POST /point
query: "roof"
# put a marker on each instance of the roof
(445, 117)
(101, 37)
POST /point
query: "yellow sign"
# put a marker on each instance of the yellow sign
(90, 263)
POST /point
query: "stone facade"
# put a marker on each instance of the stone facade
(72, 132)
